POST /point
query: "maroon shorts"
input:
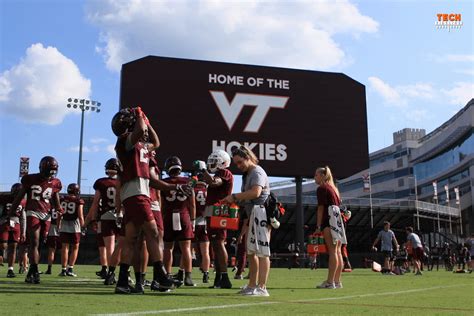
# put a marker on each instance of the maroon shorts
(9, 234)
(70, 238)
(53, 242)
(200, 234)
(100, 240)
(158, 219)
(33, 223)
(186, 232)
(215, 234)
(418, 253)
(137, 210)
(108, 228)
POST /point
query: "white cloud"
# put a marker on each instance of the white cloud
(417, 90)
(467, 71)
(36, 89)
(454, 58)
(111, 149)
(85, 149)
(400, 95)
(417, 116)
(98, 140)
(460, 94)
(290, 34)
(388, 93)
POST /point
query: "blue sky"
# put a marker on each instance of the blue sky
(415, 75)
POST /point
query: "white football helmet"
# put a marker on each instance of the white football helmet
(219, 159)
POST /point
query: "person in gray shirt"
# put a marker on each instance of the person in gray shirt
(417, 247)
(255, 191)
(388, 239)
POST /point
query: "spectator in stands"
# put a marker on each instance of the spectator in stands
(387, 238)
(418, 252)
(328, 195)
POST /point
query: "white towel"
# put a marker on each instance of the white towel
(336, 224)
(176, 222)
(258, 237)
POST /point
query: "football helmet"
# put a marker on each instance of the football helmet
(112, 164)
(123, 121)
(172, 163)
(219, 159)
(15, 189)
(48, 167)
(73, 189)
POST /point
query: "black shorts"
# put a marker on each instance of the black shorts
(387, 254)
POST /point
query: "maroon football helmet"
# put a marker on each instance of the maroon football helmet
(112, 164)
(172, 163)
(73, 189)
(123, 121)
(15, 189)
(48, 167)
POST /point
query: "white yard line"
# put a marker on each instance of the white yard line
(203, 308)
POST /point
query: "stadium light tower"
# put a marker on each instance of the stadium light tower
(83, 105)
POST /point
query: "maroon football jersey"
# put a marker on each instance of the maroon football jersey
(154, 193)
(216, 194)
(54, 216)
(39, 191)
(107, 188)
(135, 162)
(174, 201)
(70, 205)
(6, 201)
(200, 193)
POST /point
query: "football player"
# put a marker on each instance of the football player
(200, 233)
(40, 188)
(179, 213)
(70, 230)
(103, 209)
(136, 138)
(11, 226)
(220, 186)
(53, 242)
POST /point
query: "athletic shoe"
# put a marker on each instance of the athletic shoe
(48, 271)
(102, 274)
(338, 285)
(261, 292)
(326, 285)
(139, 289)
(419, 273)
(146, 283)
(248, 291)
(11, 274)
(110, 279)
(205, 277)
(163, 283)
(71, 273)
(63, 273)
(217, 281)
(29, 278)
(188, 281)
(391, 273)
(155, 286)
(225, 282)
(36, 278)
(22, 270)
(238, 277)
(127, 289)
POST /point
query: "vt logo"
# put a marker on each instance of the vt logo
(262, 103)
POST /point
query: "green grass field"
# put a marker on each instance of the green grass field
(292, 293)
